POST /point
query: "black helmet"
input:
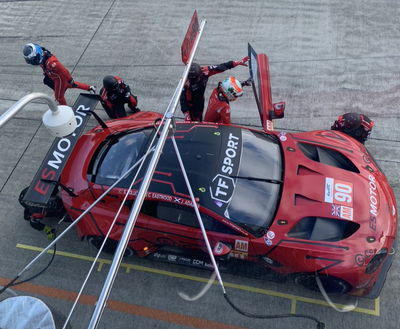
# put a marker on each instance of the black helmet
(356, 125)
(110, 83)
(194, 72)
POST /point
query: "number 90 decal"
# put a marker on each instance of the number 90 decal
(338, 192)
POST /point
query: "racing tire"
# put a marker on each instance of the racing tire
(331, 284)
(110, 246)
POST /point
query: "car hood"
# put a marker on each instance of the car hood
(330, 175)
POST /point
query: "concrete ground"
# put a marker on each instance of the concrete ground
(326, 58)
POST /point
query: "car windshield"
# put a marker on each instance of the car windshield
(117, 155)
(257, 184)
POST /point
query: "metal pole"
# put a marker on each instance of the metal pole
(18, 106)
(101, 303)
(196, 210)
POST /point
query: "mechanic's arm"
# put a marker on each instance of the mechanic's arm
(184, 103)
(214, 69)
(132, 102)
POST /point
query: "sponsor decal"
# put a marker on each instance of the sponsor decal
(222, 186)
(268, 260)
(269, 124)
(372, 223)
(361, 259)
(270, 235)
(268, 242)
(201, 263)
(373, 202)
(238, 254)
(373, 197)
(366, 158)
(158, 196)
(39, 191)
(184, 260)
(282, 136)
(230, 154)
(172, 258)
(242, 245)
(328, 190)
(343, 212)
(159, 256)
(218, 248)
(177, 200)
(338, 192)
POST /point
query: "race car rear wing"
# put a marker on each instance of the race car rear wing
(48, 174)
(261, 83)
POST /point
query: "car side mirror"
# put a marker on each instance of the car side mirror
(221, 249)
(278, 110)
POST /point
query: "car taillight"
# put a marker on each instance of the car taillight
(376, 261)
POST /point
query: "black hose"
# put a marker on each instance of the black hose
(12, 283)
(320, 325)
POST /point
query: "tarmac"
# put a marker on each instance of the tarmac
(326, 58)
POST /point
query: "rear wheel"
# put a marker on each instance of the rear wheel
(331, 284)
(110, 246)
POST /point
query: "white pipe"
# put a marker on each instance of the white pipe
(18, 106)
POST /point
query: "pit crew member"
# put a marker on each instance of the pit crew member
(56, 76)
(114, 95)
(356, 125)
(192, 97)
(219, 109)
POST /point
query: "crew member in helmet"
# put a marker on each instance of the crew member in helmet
(227, 91)
(56, 76)
(114, 95)
(356, 125)
(192, 97)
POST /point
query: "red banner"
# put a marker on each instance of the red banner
(190, 37)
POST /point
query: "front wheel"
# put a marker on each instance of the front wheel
(331, 284)
(110, 246)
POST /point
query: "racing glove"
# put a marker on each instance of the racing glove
(72, 83)
(247, 82)
(242, 62)
(187, 116)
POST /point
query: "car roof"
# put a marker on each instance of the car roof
(201, 148)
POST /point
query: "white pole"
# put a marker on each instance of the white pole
(101, 303)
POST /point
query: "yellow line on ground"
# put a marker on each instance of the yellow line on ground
(293, 307)
(128, 267)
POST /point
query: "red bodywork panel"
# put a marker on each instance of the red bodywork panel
(265, 92)
(310, 189)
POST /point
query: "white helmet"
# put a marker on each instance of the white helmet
(232, 88)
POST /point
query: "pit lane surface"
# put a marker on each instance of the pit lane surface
(325, 59)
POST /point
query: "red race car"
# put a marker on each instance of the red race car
(301, 204)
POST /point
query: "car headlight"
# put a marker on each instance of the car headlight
(376, 261)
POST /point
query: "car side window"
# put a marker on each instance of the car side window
(182, 215)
